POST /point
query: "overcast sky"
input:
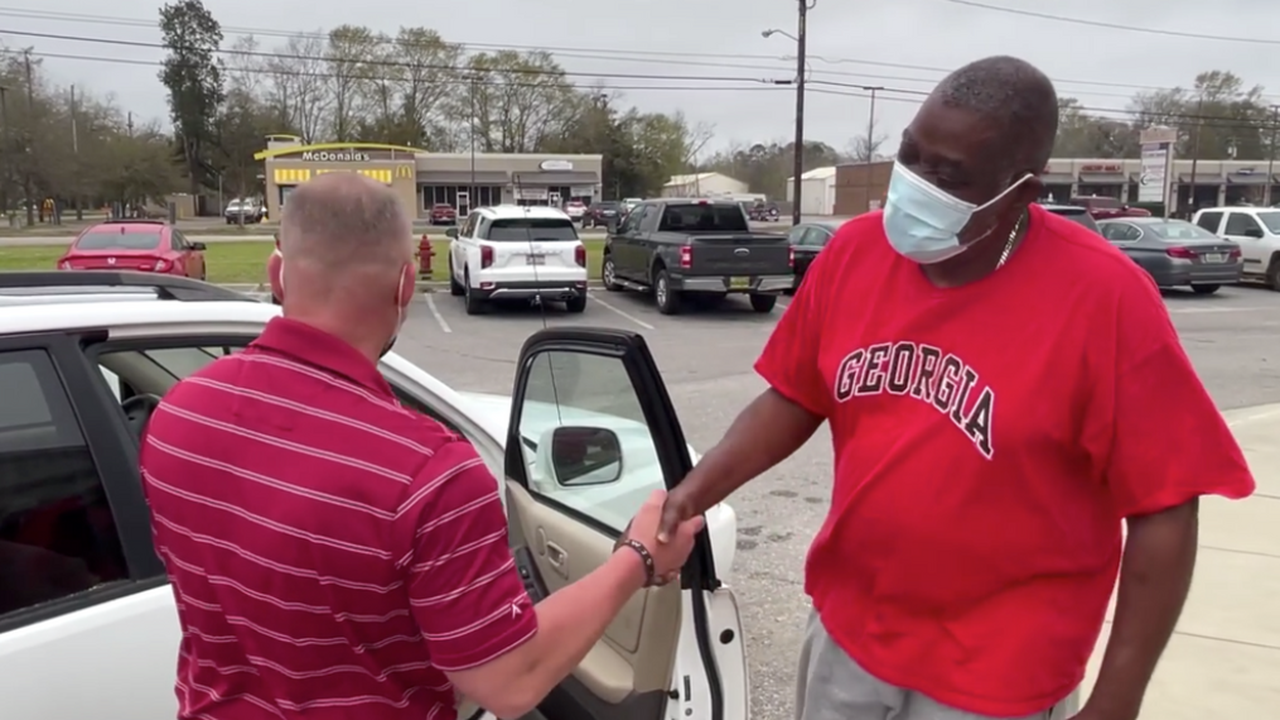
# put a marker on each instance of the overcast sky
(850, 41)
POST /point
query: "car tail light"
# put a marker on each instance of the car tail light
(64, 265)
(791, 255)
(686, 257)
(163, 265)
(1181, 252)
(580, 255)
(1234, 254)
(486, 256)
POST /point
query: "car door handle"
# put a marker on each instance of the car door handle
(557, 557)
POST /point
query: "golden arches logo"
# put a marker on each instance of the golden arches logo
(404, 172)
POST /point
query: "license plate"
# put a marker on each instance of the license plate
(1215, 258)
(738, 283)
(535, 260)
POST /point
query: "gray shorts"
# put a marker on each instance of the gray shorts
(831, 686)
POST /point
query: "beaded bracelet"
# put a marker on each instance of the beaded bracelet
(650, 570)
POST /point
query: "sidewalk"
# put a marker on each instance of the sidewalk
(1224, 658)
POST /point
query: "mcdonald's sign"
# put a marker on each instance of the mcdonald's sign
(405, 171)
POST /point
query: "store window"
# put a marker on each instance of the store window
(479, 196)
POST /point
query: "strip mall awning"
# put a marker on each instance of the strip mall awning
(1201, 179)
(1103, 178)
(463, 177)
(1247, 178)
(1057, 178)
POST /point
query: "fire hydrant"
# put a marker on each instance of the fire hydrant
(425, 253)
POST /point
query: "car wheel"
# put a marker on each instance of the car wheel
(668, 300)
(1205, 289)
(1273, 273)
(455, 287)
(576, 304)
(609, 275)
(763, 303)
(474, 305)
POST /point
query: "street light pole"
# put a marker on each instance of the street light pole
(797, 183)
(5, 148)
(1271, 159)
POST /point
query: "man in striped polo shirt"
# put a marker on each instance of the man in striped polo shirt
(332, 554)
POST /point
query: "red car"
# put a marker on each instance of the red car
(443, 214)
(138, 245)
(1106, 208)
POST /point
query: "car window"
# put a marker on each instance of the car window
(1210, 221)
(1239, 223)
(572, 402)
(797, 234)
(532, 230)
(1271, 220)
(703, 217)
(632, 221)
(57, 533)
(469, 230)
(108, 240)
(1177, 231)
(1120, 232)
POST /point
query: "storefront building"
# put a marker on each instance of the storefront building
(423, 179)
(1206, 183)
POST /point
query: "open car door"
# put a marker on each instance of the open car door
(592, 434)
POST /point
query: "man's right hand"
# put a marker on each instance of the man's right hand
(670, 552)
(676, 509)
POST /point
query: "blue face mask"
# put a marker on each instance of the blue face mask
(923, 223)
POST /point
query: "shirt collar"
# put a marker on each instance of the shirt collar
(318, 348)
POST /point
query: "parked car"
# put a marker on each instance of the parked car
(443, 214)
(151, 246)
(511, 252)
(1102, 208)
(1256, 231)
(575, 210)
(244, 211)
(679, 247)
(807, 240)
(760, 212)
(1176, 252)
(1075, 213)
(83, 366)
(600, 213)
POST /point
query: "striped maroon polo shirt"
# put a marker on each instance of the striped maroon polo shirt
(331, 553)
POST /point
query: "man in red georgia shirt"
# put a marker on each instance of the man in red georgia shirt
(1005, 390)
(334, 555)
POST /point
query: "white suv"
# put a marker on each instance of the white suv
(1256, 230)
(514, 252)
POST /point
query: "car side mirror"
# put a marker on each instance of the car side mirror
(612, 225)
(584, 455)
(451, 233)
(1254, 232)
(199, 246)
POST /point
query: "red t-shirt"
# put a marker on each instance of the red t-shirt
(989, 439)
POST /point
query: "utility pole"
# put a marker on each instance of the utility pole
(871, 123)
(29, 180)
(1195, 153)
(797, 182)
(129, 123)
(5, 149)
(1271, 159)
(473, 150)
(75, 149)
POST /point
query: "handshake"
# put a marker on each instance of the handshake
(662, 533)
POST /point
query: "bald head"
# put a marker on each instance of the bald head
(342, 222)
(1014, 95)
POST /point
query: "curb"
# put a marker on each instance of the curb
(424, 286)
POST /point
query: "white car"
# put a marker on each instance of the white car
(575, 210)
(514, 252)
(1256, 230)
(82, 358)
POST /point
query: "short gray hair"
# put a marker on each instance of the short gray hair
(1014, 93)
(345, 220)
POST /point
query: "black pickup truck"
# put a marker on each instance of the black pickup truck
(675, 247)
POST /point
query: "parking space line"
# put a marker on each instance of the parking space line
(621, 312)
(1199, 310)
(431, 303)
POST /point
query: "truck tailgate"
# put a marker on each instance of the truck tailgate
(741, 254)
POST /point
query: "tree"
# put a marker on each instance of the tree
(296, 92)
(1084, 135)
(865, 148)
(1217, 118)
(766, 167)
(354, 75)
(428, 78)
(192, 74)
(517, 102)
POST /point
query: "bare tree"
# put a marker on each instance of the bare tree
(428, 79)
(350, 57)
(298, 88)
(244, 66)
(866, 147)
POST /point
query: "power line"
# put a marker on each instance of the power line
(1114, 26)
(827, 88)
(640, 56)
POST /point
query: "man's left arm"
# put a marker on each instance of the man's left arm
(1168, 446)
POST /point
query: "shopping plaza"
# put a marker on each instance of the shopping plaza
(1203, 183)
(423, 179)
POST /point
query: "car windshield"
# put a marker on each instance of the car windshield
(1102, 203)
(529, 229)
(1271, 220)
(108, 240)
(1176, 230)
(703, 217)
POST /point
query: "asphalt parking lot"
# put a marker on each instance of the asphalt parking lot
(706, 356)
